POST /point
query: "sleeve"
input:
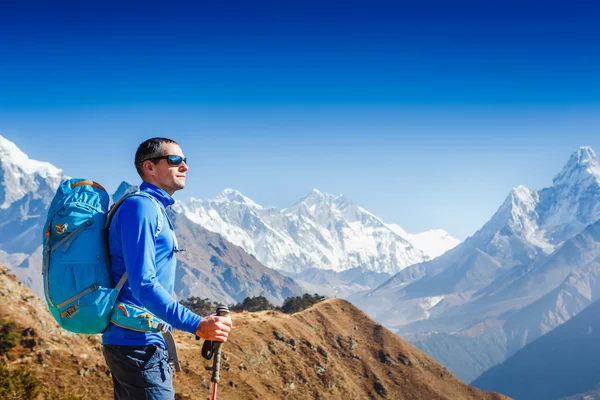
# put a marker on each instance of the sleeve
(138, 219)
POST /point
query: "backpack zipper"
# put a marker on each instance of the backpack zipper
(79, 295)
(73, 235)
(45, 272)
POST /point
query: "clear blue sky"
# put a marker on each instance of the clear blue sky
(425, 115)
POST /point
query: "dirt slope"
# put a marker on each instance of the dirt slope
(331, 351)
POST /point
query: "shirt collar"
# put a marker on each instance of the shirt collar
(162, 196)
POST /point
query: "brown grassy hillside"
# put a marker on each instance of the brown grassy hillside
(331, 351)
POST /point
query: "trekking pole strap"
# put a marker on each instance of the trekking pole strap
(207, 349)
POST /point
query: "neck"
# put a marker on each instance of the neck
(166, 189)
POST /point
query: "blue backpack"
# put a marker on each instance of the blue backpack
(76, 272)
(76, 269)
(76, 265)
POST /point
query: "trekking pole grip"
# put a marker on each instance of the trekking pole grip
(222, 311)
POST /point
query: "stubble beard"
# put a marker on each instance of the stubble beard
(179, 184)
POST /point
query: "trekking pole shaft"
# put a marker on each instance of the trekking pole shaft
(216, 371)
(214, 391)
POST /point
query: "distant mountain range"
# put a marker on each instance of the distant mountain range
(526, 271)
(321, 231)
(212, 267)
(471, 305)
(232, 238)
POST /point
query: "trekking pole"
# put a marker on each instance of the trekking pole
(222, 311)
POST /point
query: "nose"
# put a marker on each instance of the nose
(183, 167)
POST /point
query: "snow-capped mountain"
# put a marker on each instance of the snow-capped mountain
(212, 267)
(572, 202)
(434, 243)
(321, 231)
(530, 246)
(26, 190)
(532, 223)
(22, 176)
(123, 189)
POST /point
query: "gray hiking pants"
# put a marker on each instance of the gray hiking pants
(140, 372)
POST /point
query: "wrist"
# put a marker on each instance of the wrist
(198, 331)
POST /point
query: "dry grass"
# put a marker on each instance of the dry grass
(331, 351)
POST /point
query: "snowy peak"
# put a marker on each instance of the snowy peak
(434, 243)
(20, 175)
(316, 197)
(586, 154)
(316, 193)
(318, 205)
(321, 231)
(235, 196)
(398, 230)
(573, 202)
(540, 220)
(523, 198)
(324, 207)
(581, 167)
(12, 155)
(123, 189)
(517, 210)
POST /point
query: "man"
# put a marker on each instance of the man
(137, 360)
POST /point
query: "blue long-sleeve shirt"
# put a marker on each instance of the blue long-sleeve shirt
(150, 263)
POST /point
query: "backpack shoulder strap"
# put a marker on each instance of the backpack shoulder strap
(111, 214)
(159, 209)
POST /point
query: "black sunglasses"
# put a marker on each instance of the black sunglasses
(174, 161)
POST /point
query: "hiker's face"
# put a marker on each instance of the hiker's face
(169, 178)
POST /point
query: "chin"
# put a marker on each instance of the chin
(179, 185)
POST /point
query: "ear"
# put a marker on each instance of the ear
(148, 168)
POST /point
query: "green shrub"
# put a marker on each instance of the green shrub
(200, 306)
(253, 304)
(21, 384)
(17, 384)
(296, 304)
(10, 336)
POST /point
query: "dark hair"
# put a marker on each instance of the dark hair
(150, 148)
